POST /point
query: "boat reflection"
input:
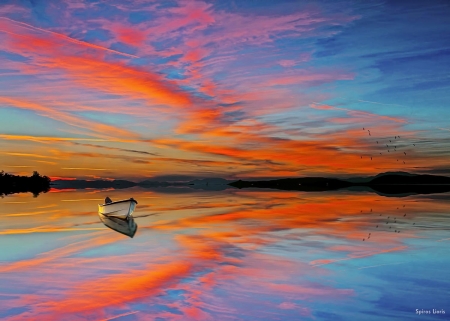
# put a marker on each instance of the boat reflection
(125, 226)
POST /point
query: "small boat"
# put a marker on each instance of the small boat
(124, 226)
(121, 209)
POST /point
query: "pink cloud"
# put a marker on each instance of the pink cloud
(304, 57)
(128, 35)
(288, 306)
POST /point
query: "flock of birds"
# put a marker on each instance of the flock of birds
(390, 220)
(392, 147)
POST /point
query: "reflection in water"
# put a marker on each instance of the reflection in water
(229, 255)
(125, 226)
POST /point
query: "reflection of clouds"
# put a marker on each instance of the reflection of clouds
(45, 230)
(32, 213)
(57, 253)
(207, 255)
(357, 256)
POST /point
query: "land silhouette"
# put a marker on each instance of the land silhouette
(390, 183)
(35, 184)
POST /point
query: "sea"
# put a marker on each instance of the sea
(233, 254)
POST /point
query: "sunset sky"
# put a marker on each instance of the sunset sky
(233, 89)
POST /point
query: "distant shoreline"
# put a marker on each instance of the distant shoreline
(385, 184)
(388, 184)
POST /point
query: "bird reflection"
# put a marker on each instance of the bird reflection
(125, 226)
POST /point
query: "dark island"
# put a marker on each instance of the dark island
(391, 183)
(35, 184)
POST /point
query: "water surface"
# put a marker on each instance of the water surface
(226, 255)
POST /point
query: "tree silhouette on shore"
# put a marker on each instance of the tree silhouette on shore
(35, 184)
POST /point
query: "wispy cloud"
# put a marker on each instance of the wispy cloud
(60, 36)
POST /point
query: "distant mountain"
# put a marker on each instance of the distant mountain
(386, 183)
(369, 178)
(149, 183)
(300, 184)
(205, 184)
(212, 181)
(81, 184)
(359, 179)
(210, 184)
(395, 173)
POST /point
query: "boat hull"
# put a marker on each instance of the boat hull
(121, 209)
(124, 226)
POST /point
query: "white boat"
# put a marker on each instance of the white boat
(121, 209)
(125, 226)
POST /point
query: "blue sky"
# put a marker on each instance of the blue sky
(224, 87)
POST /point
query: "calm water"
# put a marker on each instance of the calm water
(229, 255)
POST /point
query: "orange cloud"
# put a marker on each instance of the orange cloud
(99, 128)
(48, 138)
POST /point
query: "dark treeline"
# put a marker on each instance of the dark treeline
(22, 184)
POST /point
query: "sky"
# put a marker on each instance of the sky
(234, 89)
